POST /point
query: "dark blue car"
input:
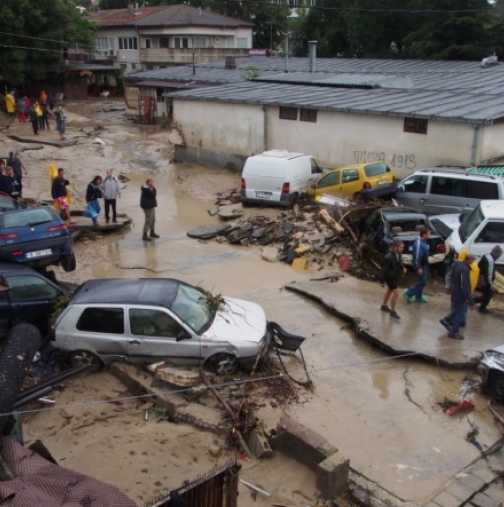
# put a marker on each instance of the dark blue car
(36, 237)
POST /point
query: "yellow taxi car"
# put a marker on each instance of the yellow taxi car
(348, 181)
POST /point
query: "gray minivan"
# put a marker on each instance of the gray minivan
(447, 190)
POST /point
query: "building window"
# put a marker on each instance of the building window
(147, 43)
(164, 42)
(308, 115)
(242, 42)
(288, 113)
(135, 43)
(121, 43)
(415, 125)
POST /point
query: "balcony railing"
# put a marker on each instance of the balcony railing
(202, 55)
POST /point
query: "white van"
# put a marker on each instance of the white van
(277, 177)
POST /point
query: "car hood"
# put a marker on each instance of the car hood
(451, 220)
(238, 321)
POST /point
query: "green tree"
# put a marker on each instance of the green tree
(34, 34)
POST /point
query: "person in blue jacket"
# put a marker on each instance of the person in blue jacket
(420, 251)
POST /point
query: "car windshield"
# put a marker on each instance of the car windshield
(470, 223)
(25, 218)
(192, 306)
(407, 226)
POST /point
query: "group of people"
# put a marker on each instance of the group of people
(463, 278)
(11, 176)
(36, 110)
(107, 188)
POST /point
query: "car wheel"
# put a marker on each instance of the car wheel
(495, 385)
(221, 364)
(69, 263)
(84, 358)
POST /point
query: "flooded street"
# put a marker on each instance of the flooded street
(380, 412)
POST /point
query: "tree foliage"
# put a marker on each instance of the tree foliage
(406, 28)
(27, 25)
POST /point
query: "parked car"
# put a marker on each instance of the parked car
(349, 181)
(26, 296)
(491, 369)
(36, 237)
(447, 190)
(277, 177)
(478, 231)
(385, 225)
(148, 320)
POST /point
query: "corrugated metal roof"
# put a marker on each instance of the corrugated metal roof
(430, 104)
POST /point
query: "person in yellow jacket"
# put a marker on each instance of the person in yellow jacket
(39, 113)
(10, 104)
(474, 269)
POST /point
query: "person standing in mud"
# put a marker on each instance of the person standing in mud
(60, 122)
(111, 192)
(59, 192)
(18, 167)
(148, 202)
(34, 119)
(393, 270)
(93, 193)
(420, 251)
(487, 271)
(461, 297)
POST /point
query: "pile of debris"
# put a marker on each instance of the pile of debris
(309, 234)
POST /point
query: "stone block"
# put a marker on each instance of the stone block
(259, 444)
(301, 443)
(332, 476)
(496, 492)
(444, 499)
(463, 489)
(483, 500)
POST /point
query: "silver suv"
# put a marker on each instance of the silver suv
(448, 190)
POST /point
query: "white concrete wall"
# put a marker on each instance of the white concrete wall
(343, 138)
(223, 128)
(492, 142)
(335, 139)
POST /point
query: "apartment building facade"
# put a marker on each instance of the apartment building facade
(155, 37)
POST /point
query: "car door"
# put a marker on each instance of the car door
(351, 182)
(157, 334)
(32, 299)
(446, 195)
(100, 329)
(412, 191)
(487, 237)
(330, 183)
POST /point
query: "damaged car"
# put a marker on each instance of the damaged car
(491, 369)
(386, 225)
(149, 320)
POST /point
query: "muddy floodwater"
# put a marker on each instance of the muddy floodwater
(381, 413)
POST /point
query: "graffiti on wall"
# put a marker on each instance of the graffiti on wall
(395, 160)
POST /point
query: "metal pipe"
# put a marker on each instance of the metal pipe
(475, 145)
(286, 69)
(312, 54)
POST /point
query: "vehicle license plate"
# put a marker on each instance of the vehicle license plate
(39, 253)
(264, 195)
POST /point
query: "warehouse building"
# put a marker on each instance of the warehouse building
(410, 114)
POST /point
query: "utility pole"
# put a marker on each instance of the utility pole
(286, 68)
(193, 57)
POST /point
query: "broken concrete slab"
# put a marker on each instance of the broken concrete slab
(208, 232)
(230, 211)
(31, 140)
(270, 254)
(302, 443)
(332, 475)
(418, 333)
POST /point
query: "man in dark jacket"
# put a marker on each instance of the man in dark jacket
(17, 166)
(487, 273)
(392, 272)
(460, 289)
(148, 202)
